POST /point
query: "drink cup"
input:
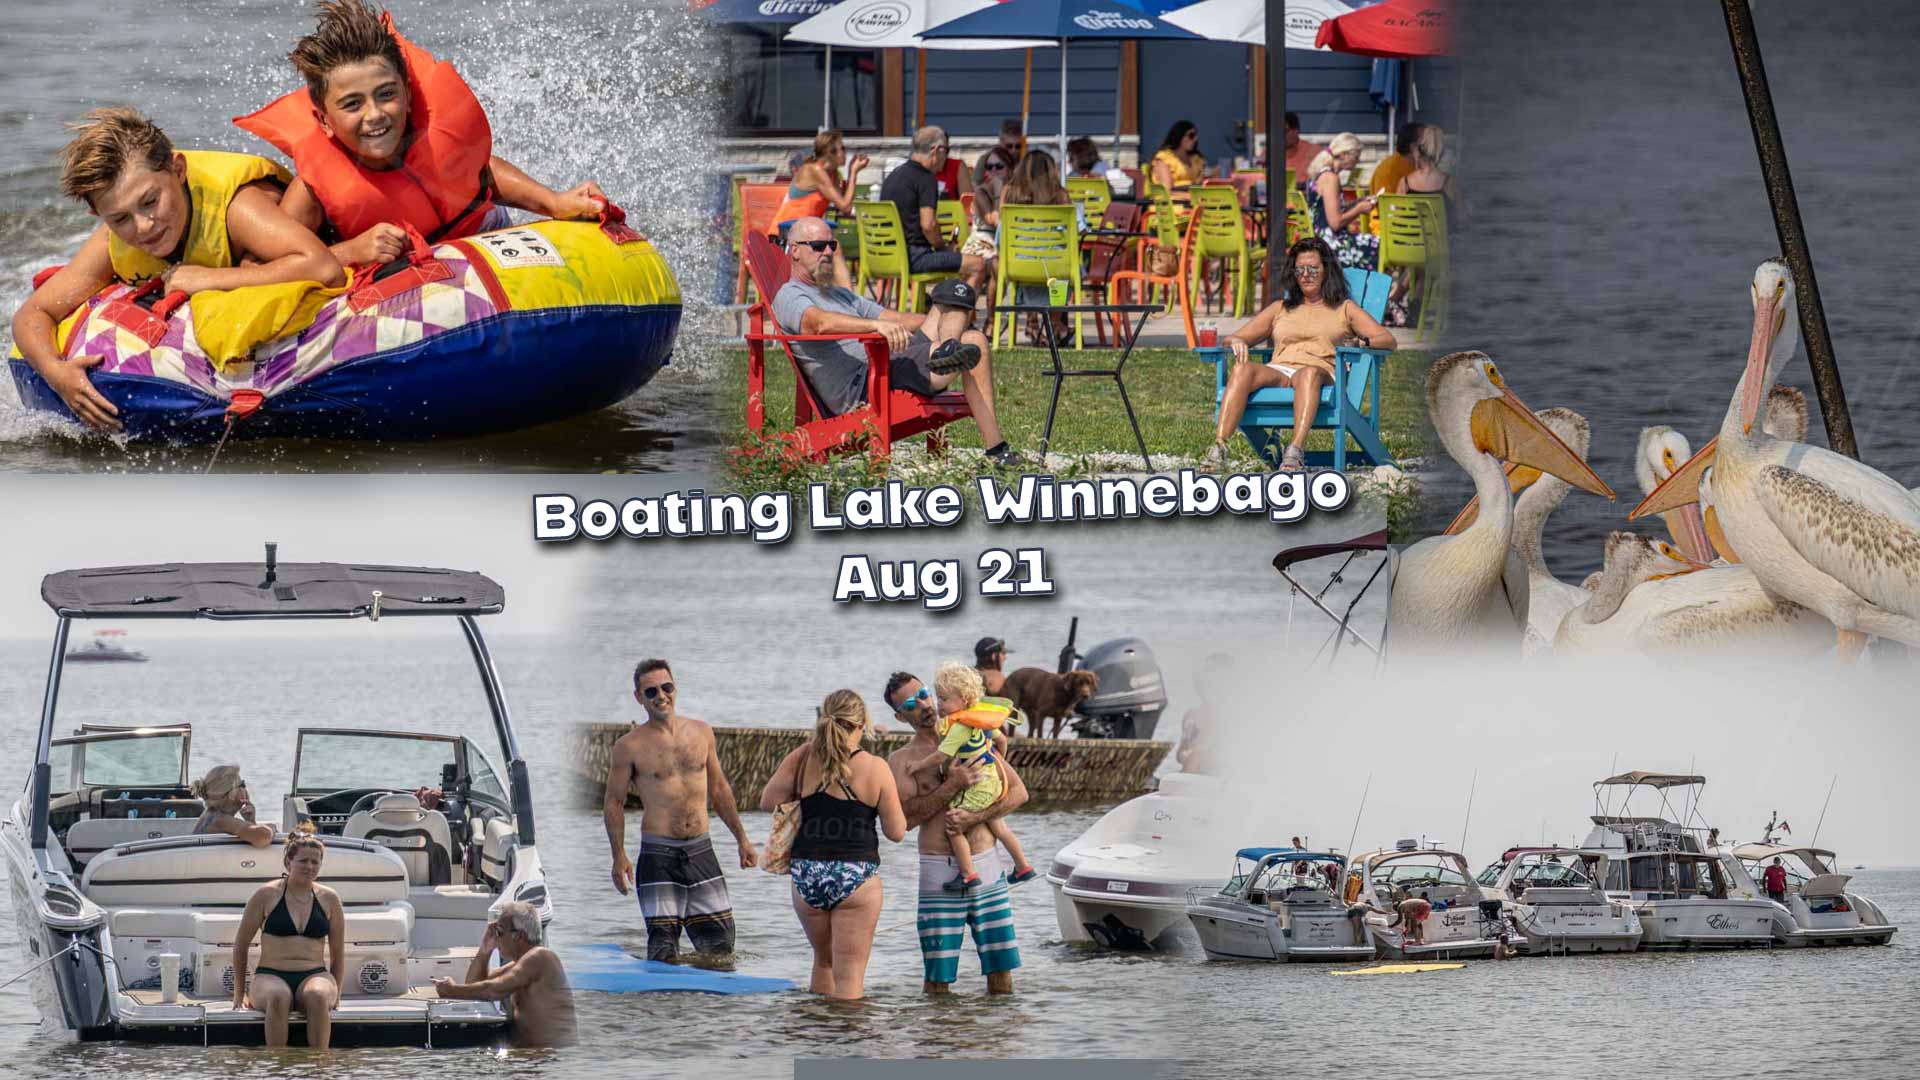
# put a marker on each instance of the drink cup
(169, 976)
(1057, 291)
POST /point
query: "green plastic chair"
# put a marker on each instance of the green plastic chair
(952, 215)
(1037, 243)
(883, 258)
(1091, 193)
(847, 231)
(1222, 234)
(1413, 245)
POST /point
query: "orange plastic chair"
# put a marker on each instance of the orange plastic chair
(1146, 280)
(758, 205)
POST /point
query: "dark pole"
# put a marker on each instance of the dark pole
(1786, 222)
(1276, 141)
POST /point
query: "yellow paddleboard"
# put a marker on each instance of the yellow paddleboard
(1401, 969)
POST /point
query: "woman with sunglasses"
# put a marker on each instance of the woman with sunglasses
(844, 793)
(229, 808)
(1178, 164)
(816, 185)
(1313, 317)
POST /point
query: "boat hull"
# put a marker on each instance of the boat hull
(1239, 932)
(1705, 924)
(1127, 926)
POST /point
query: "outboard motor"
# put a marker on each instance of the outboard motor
(1132, 694)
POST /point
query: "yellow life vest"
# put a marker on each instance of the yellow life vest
(213, 178)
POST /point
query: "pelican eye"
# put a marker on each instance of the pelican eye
(1667, 456)
(1493, 375)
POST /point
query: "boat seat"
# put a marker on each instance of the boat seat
(495, 837)
(372, 925)
(419, 836)
(214, 870)
(473, 902)
(91, 836)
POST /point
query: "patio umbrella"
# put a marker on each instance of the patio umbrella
(1062, 21)
(897, 24)
(1396, 29)
(1245, 21)
(785, 12)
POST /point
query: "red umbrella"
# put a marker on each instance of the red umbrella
(1394, 30)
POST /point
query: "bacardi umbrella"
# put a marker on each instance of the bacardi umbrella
(1396, 29)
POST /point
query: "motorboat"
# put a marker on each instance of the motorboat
(1819, 909)
(1280, 904)
(106, 646)
(110, 882)
(1555, 903)
(1464, 923)
(1689, 894)
(1123, 883)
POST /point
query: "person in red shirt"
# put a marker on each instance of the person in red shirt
(1775, 879)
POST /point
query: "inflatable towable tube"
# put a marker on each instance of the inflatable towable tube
(490, 333)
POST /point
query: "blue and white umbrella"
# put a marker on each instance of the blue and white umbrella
(785, 12)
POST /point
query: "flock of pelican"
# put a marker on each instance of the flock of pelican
(1770, 541)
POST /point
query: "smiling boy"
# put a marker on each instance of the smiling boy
(386, 137)
(189, 217)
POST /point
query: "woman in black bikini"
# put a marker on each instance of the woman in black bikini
(303, 937)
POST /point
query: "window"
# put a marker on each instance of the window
(148, 761)
(778, 85)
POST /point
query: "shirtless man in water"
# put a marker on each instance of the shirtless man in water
(676, 763)
(986, 909)
(531, 982)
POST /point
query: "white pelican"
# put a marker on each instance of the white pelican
(1786, 418)
(1816, 528)
(1651, 598)
(1472, 586)
(1661, 452)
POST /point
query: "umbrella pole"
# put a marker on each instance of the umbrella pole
(920, 91)
(826, 95)
(1786, 222)
(1063, 105)
(1276, 142)
(1026, 97)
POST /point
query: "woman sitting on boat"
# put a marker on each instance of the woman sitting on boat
(229, 807)
(817, 185)
(303, 946)
(1312, 318)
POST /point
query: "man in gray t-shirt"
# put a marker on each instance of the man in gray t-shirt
(929, 352)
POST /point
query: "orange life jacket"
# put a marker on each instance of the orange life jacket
(442, 187)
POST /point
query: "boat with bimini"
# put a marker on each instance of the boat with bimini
(1819, 909)
(1689, 894)
(112, 888)
(106, 646)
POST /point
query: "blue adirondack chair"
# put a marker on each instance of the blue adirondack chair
(1349, 405)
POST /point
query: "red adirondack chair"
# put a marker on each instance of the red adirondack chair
(888, 415)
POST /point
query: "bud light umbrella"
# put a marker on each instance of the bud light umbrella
(1063, 21)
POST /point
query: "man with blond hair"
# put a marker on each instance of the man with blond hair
(532, 981)
(200, 220)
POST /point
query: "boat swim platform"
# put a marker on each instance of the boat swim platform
(1057, 772)
(418, 1017)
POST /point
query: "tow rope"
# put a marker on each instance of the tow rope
(244, 404)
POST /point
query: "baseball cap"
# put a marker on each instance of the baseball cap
(989, 645)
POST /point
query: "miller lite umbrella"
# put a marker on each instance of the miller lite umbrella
(1062, 21)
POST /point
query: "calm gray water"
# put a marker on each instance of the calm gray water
(1617, 213)
(589, 89)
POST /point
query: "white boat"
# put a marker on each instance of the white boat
(1688, 895)
(108, 876)
(1280, 904)
(1555, 903)
(1819, 909)
(1123, 883)
(106, 646)
(1465, 922)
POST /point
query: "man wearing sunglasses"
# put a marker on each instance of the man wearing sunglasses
(674, 761)
(929, 352)
(914, 188)
(944, 917)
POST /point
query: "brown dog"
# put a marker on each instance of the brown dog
(1042, 694)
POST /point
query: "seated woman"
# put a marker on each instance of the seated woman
(1427, 177)
(1178, 165)
(1313, 317)
(1334, 221)
(816, 184)
(1036, 182)
(303, 946)
(229, 806)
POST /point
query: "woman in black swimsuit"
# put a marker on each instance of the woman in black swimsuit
(303, 937)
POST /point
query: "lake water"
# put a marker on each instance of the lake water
(622, 93)
(1615, 213)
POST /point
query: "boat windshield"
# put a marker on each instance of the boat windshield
(122, 761)
(1491, 875)
(354, 760)
(1417, 875)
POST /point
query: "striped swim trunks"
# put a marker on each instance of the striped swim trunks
(945, 917)
(680, 887)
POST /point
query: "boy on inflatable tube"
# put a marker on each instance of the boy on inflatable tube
(189, 217)
(387, 138)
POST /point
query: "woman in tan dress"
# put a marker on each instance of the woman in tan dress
(1313, 317)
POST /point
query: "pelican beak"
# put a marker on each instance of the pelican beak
(1680, 489)
(1519, 479)
(1717, 538)
(1507, 429)
(1768, 316)
(1688, 528)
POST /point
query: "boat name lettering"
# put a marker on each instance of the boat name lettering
(1723, 922)
(1117, 886)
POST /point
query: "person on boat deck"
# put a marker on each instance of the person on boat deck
(303, 946)
(229, 806)
(1775, 879)
(532, 982)
(1413, 912)
(1312, 319)
(188, 217)
(387, 137)
(817, 184)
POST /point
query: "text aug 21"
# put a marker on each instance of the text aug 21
(768, 518)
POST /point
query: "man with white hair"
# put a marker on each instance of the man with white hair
(532, 982)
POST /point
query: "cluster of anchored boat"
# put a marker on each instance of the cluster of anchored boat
(1639, 881)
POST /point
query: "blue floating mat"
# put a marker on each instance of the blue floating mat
(611, 969)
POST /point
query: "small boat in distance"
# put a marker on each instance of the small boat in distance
(1280, 907)
(106, 646)
(1555, 902)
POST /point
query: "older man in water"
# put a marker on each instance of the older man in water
(532, 981)
(986, 909)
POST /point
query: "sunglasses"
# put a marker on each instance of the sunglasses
(651, 692)
(1307, 271)
(996, 166)
(821, 246)
(912, 704)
